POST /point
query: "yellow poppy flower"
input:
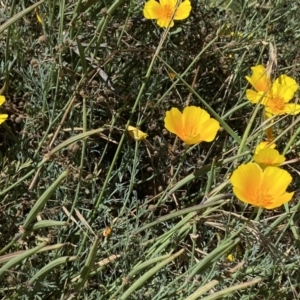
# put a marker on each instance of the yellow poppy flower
(163, 11)
(263, 145)
(268, 157)
(261, 83)
(136, 134)
(192, 126)
(282, 91)
(276, 96)
(261, 188)
(231, 257)
(3, 117)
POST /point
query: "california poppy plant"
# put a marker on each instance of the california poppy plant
(275, 96)
(268, 157)
(165, 11)
(192, 126)
(3, 117)
(261, 188)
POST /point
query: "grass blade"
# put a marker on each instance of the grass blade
(36, 209)
(49, 267)
(16, 260)
(138, 283)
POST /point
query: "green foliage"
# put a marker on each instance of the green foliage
(70, 172)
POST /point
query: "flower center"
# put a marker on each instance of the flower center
(168, 11)
(190, 131)
(268, 161)
(262, 198)
(276, 103)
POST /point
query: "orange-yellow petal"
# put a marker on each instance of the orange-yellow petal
(2, 99)
(246, 180)
(3, 117)
(256, 97)
(210, 129)
(263, 145)
(191, 140)
(251, 96)
(173, 121)
(268, 114)
(285, 92)
(39, 19)
(287, 81)
(192, 119)
(170, 3)
(165, 22)
(136, 134)
(275, 181)
(259, 79)
(284, 198)
(291, 109)
(268, 157)
(153, 10)
(183, 10)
